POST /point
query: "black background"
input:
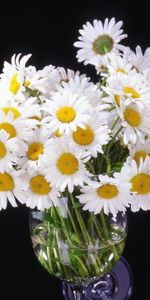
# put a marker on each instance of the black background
(48, 31)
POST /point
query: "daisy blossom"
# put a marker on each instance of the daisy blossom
(93, 137)
(139, 177)
(66, 111)
(25, 110)
(64, 164)
(129, 88)
(16, 128)
(139, 150)
(39, 191)
(135, 122)
(8, 151)
(11, 188)
(110, 194)
(13, 77)
(99, 39)
(33, 150)
(140, 61)
(119, 64)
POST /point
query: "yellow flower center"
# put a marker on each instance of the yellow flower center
(117, 100)
(10, 129)
(107, 191)
(66, 114)
(67, 164)
(34, 151)
(83, 136)
(14, 84)
(129, 90)
(103, 44)
(121, 70)
(138, 155)
(39, 185)
(15, 111)
(6, 182)
(57, 133)
(26, 83)
(141, 183)
(2, 150)
(132, 117)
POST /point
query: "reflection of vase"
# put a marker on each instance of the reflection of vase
(75, 245)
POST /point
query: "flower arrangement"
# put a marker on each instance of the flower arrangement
(68, 142)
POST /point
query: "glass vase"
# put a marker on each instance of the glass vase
(80, 248)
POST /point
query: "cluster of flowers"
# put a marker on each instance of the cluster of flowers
(58, 129)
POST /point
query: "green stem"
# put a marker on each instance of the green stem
(64, 225)
(91, 168)
(112, 140)
(81, 223)
(115, 123)
(105, 227)
(73, 223)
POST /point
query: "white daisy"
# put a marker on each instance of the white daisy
(11, 188)
(119, 64)
(75, 84)
(139, 150)
(140, 61)
(139, 177)
(39, 191)
(64, 164)
(93, 137)
(98, 40)
(42, 81)
(129, 88)
(13, 77)
(16, 128)
(8, 151)
(33, 150)
(81, 86)
(66, 111)
(25, 110)
(110, 194)
(135, 122)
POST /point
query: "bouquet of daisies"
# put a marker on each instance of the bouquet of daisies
(70, 146)
(61, 133)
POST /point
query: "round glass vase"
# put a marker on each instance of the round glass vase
(77, 246)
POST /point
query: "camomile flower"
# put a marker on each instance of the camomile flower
(33, 150)
(24, 110)
(93, 137)
(8, 151)
(119, 64)
(66, 75)
(66, 112)
(135, 121)
(129, 88)
(97, 40)
(13, 77)
(110, 194)
(43, 82)
(16, 128)
(76, 84)
(83, 87)
(140, 61)
(11, 188)
(39, 192)
(139, 177)
(139, 150)
(64, 164)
